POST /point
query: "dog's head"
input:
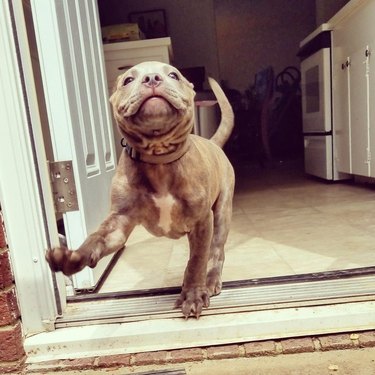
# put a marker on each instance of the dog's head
(153, 105)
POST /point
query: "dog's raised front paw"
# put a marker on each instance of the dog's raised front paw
(192, 301)
(64, 260)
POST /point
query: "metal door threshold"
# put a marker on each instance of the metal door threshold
(231, 300)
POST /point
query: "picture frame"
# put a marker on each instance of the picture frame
(152, 23)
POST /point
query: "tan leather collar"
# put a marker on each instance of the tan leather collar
(155, 159)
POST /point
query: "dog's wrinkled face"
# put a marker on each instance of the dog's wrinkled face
(150, 100)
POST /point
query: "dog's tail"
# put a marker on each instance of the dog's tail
(225, 128)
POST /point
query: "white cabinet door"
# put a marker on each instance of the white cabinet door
(354, 116)
(74, 82)
(341, 48)
(341, 118)
(359, 120)
(371, 106)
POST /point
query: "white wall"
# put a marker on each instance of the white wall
(254, 34)
(233, 39)
(190, 23)
(326, 9)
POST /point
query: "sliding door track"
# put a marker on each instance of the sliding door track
(238, 296)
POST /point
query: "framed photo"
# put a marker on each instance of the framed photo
(151, 22)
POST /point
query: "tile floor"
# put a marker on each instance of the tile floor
(284, 223)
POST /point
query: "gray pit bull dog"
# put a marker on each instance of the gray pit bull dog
(170, 181)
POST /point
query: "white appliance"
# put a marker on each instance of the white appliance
(316, 81)
(207, 118)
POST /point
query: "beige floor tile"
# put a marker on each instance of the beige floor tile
(283, 223)
(255, 258)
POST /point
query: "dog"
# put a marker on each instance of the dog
(172, 182)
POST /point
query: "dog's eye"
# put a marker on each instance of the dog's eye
(128, 80)
(174, 76)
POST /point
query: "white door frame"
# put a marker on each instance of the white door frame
(25, 195)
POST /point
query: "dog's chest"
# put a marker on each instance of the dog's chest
(168, 216)
(165, 205)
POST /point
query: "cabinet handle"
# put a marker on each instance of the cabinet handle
(342, 66)
(347, 63)
(367, 52)
(125, 67)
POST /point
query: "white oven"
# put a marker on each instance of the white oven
(316, 92)
(316, 81)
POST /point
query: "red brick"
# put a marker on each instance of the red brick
(297, 345)
(186, 355)
(367, 339)
(11, 343)
(54, 365)
(9, 311)
(261, 348)
(113, 360)
(77, 363)
(150, 358)
(16, 367)
(44, 367)
(335, 342)
(6, 277)
(3, 242)
(223, 352)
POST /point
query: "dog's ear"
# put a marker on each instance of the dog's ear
(111, 98)
(190, 86)
(187, 83)
(114, 88)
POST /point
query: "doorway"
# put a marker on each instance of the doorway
(271, 221)
(284, 222)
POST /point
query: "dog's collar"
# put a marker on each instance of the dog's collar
(155, 159)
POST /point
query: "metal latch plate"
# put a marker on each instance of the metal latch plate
(63, 186)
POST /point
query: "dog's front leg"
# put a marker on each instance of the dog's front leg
(110, 237)
(194, 295)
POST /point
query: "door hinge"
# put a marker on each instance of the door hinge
(63, 186)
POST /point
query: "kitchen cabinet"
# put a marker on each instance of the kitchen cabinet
(121, 56)
(353, 39)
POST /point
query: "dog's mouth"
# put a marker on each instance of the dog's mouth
(155, 106)
(155, 116)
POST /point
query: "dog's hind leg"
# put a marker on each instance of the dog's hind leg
(222, 218)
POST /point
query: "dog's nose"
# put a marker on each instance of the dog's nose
(152, 79)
